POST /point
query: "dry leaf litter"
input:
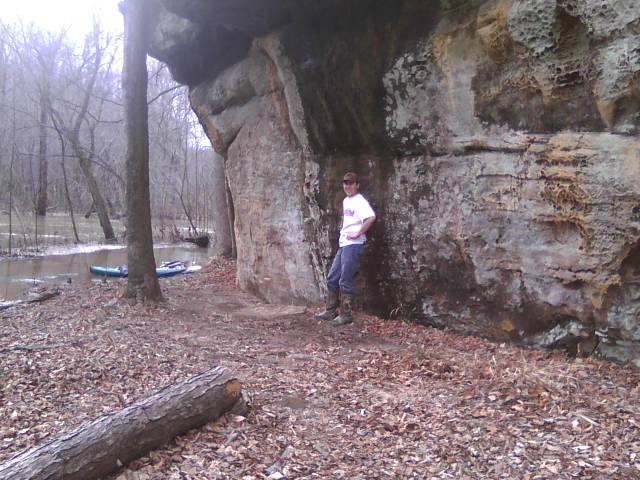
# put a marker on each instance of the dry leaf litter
(376, 399)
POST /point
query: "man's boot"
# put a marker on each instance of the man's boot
(345, 310)
(330, 308)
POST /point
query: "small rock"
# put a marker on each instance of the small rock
(111, 303)
(321, 449)
(101, 316)
(275, 468)
(288, 452)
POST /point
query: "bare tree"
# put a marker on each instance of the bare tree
(43, 160)
(85, 155)
(11, 164)
(27, 49)
(37, 52)
(142, 281)
(66, 181)
(46, 55)
(82, 94)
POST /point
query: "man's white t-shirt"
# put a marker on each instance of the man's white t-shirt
(355, 210)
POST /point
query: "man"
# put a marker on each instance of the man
(357, 219)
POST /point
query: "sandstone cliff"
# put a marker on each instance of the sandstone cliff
(497, 141)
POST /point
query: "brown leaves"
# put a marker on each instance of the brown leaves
(379, 399)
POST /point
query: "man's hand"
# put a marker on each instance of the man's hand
(366, 225)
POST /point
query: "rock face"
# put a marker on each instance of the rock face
(497, 141)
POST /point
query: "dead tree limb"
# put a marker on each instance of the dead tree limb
(40, 297)
(106, 444)
(30, 348)
(7, 305)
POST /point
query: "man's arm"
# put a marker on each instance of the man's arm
(366, 225)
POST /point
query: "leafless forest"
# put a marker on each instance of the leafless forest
(62, 143)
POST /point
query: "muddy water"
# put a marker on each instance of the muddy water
(71, 264)
(54, 229)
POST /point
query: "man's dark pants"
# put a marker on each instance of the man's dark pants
(344, 268)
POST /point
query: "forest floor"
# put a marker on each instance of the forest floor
(376, 399)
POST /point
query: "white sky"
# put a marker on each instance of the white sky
(54, 14)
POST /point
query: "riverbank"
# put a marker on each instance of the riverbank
(33, 236)
(377, 399)
(61, 265)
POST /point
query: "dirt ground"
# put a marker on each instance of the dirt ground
(376, 399)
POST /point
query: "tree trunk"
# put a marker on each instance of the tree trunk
(142, 280)
(231, 217)
(94, 189)
(11, 164)
(219, 208)
(43, 161)
(185, 178)
(106, 444)
(66, 181)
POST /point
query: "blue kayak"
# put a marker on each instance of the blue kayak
(109, 271)
(166, 269)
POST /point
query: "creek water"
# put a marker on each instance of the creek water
(60, 261)
(54, 229)
(71, 264)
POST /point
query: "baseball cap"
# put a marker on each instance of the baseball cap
(350, 177)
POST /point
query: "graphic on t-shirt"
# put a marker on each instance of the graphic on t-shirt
(355, 209)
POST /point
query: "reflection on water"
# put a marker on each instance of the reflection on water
(54, 229)
(20, 274)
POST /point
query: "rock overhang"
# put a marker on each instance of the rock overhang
(494, 140)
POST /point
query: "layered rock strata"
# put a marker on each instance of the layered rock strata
(497, 140)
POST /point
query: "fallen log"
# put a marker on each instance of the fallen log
(106, 444)
(37, 297)
(201, 240)
(42, 296)
(6, 305)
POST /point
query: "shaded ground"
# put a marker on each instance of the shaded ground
(377, 399)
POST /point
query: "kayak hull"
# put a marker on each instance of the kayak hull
(109, 271)
(170, 271)
(193, 269)
(121, 272)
